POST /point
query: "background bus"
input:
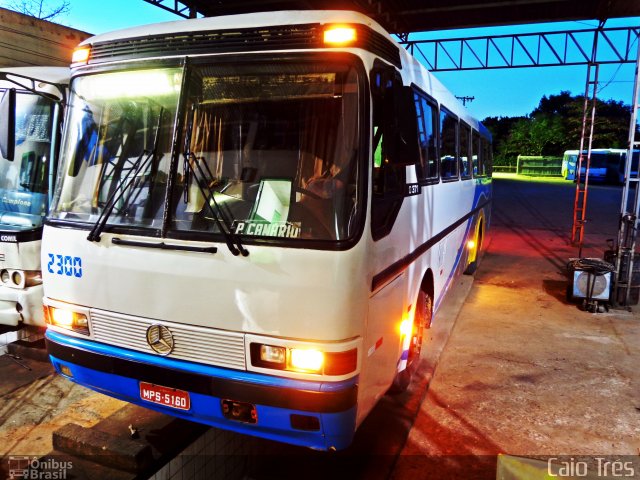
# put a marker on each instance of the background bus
(253, 234)
(607, 164)
(30, 125)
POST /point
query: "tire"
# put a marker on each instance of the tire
(471, 268)
(422, 320)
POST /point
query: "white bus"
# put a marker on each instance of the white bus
(255, 219)
(607, 164)
(30, 128)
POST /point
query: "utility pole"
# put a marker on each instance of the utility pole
(466, 100)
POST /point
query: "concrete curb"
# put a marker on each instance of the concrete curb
(103, 448)
(31, 350)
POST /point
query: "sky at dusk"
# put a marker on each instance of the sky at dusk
(503, 92)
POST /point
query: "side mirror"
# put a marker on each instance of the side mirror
(8, 124)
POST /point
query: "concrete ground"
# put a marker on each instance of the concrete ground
(525, 372)
(34, 402)
(522, 372)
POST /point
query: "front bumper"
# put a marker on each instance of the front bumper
(21, 305)
(118, 372)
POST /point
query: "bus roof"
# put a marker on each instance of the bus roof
(245, 20)
(412, 71)
(58, 75)
(598, 150)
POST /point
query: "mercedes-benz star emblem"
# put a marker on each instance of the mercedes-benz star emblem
(160, 339)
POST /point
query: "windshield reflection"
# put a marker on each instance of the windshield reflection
(116, 121)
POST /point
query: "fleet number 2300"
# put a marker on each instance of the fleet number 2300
(65, 265)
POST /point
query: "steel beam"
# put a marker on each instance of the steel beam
(175, 6)
(561, 48)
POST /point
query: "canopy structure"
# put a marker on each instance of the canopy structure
(405, 16)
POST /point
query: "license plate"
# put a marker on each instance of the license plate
(169, 397)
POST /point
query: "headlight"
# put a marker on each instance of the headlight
(271, 354)
(17, 277)
(21, 278)
(306, 360)
(303, 360)
(77, 322)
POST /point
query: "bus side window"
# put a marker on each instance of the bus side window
(488, 157)
(388, 179)
(482, 156)
(448, 146)
(475, 144)
(465, 150)
(427, 118)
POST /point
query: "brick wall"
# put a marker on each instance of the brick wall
(26, 41)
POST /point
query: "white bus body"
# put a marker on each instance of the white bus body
(348, 215)
(26, 185)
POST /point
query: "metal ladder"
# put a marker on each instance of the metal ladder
(588, 121)
(630, 207)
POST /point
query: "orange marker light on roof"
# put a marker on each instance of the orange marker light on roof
(340, 35)
(80, 55)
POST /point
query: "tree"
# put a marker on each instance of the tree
(40, 8)
(554, 104)
(555, 125)
(500, 128)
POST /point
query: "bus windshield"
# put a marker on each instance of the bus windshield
(269, 150)
(24, 181)
(275, 147)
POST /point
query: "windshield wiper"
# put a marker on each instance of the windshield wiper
(231, 239)
(126, 183)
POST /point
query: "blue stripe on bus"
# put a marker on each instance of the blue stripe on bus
(480, 191)
(391, 272)
(274, 423)
(228, 374)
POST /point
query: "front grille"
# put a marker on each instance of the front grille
(219, 41)
(191, 343)
(379, 45)
(289, 37)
